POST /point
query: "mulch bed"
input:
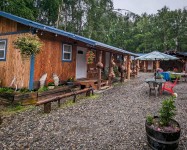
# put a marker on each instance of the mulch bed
(115, 120)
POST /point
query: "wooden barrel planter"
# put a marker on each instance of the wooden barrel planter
(161, 140)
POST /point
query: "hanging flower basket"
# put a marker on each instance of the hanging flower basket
(28, 45)
(90, 57)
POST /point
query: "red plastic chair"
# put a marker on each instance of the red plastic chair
(168, 86)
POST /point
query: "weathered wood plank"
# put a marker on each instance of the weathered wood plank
(14, 66)
(50, 60)
(63, 96)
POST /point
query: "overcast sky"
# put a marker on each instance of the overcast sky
(148, 6)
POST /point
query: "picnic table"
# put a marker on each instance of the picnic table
(182, 76)
(155, 82)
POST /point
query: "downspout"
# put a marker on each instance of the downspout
(31, 81)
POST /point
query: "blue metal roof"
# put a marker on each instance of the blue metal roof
(62, 32)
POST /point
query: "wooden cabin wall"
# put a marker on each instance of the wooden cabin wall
(171, 64)
(7, 25)
(14, 65)
(50, 59)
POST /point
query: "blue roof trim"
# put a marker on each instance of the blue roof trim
(61, 32)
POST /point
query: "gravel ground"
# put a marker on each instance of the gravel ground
(114, 120)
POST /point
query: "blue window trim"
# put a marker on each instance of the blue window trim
(65, 60)
(4, 59)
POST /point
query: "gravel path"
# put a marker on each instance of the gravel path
(115, 120)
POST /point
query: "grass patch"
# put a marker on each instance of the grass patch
(13, 109)
(95, 96)
(69, 102)
(117, 84)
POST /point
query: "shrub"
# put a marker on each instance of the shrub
(167, 111)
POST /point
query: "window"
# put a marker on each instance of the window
(67, 52)
(119, 58)
(3, 49)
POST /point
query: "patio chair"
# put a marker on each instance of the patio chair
(168, 86)
(153, 86)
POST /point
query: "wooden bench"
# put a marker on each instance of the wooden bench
(47, 102)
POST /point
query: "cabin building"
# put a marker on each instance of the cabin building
(62, 53)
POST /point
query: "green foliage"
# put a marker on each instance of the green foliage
(116, 72)
(96, 19)
(22, 8)
(6, 90)
(51, 84)
(24, 90)
(167, 111)
(15, 108)
(42, 89)
(10, 90)
(28, 44)
(149, 119)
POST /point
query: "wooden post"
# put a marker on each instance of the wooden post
(59, 103)
(99, 66)
(1, 120)
(88, 93)
(157, 64)
(144, 66)
(47, 107)
(111, 71)
(137, 67)
(123, 69)
(128, 66)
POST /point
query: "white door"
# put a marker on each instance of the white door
(81, 64)
(150, 65)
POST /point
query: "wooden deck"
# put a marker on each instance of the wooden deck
(91, 83)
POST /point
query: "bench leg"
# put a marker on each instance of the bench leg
(1, 120)
(88, 93)
(74, 98)
(47, 107)
(59, 103)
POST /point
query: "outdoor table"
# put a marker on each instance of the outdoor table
(157, 81)
(180, 74)
(166, 75)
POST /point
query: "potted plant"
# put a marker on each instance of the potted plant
(70, 81)
(28, 45)
(163, 132)
(51, 84)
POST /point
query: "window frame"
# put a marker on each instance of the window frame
(63, 52)
(5, 50)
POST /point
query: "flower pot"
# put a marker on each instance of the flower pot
(51, 87)
(69, 83)
(162, 140)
